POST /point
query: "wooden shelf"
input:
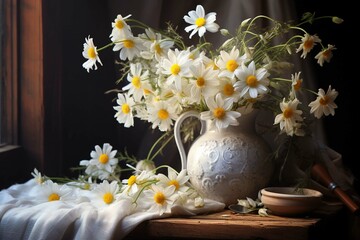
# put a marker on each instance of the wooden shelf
(229, 225)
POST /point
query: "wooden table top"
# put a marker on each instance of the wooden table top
(230, 225)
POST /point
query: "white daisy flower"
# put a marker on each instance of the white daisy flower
(106, 193)
(129, 47)
(86, 184)
(290, 117)
(201, 22)
(136, 78)
(155, 45)
(220, 112)
(324, 103)
(162, 115)
(91, 54)
(208, 62)
(51, 191)
(307, 43)
(176, 66)
(160, 48)
(204, 84)
(120, 29)
(102, 163)
(134, 183)
(325, 55)
(229, 62)
(124, 110)
(227, 88)
(296, 81)
(253, 82)
(39, 179)
(196, 56)
(161, 199)
(178, 180)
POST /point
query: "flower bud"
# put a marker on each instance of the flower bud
(199, 202)
(145, 165)
(288, 49)
(337, 20)
(245, 22)
(263, 212)
(224, 32)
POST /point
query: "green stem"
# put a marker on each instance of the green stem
(311, 91)
(285, 160)
(106, 46)
(143, 188)
(154, 145)
(165, 166)
(282, 79)
(162, 147)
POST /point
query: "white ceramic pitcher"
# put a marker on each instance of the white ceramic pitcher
(227, 164)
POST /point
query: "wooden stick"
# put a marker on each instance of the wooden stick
(319, 172)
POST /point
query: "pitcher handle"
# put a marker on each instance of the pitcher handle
(177, 134)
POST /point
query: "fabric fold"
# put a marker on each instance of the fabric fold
(22, 216)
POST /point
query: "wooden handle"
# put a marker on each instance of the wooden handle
(320, 173)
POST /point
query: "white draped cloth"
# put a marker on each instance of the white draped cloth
(24, 217)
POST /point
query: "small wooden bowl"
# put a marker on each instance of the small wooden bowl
(290, 201)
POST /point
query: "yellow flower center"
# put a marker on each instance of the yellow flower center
(158, 49)
(146, 91)
(119, 24)
(213, 65)
(175, 183)
(108, 198)
(86, 186)
(231, 65)
(128, 43)
(251, 81)
(297, 85)
(39, 180)
(163, 114)
(53, 197)
(175, 69)
(91, 52)
(125, 108)
(168, 95)
(324, 100)
(326, 54)
(200, 22)
(104, 158)
(159, 198)
(228, 89)
(157, 98)
(288, 112)
(132, 180)
(200, 81)
(136, 82)
(219, 113)
(308, 44)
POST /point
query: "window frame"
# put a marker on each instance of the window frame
(9, 76)
(32, 78)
